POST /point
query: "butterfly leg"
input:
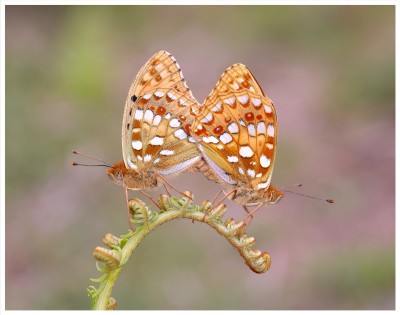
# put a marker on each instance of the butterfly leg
(166, 189)
(170, 185)
(148, 196)
(247, 210)
(251, 213)
(234, 191)
(215, 198)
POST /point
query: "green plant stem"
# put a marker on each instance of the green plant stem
(115, 258)
(139, 234)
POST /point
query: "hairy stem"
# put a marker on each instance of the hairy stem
(117, 255)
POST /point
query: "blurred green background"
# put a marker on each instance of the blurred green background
(329, 70)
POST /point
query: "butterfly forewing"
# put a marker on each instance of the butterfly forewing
(156, 116)
(236, 129)
(236, 78)
(161, 70)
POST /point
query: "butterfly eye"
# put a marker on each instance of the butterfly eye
(118, 176)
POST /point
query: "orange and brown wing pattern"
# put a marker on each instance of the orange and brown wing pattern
(160, 132)
(236, 129)
(236, 78)
(156, 118)
(162, 70)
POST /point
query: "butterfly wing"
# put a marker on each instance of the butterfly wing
(236, 129)
(156, 119)
(235, 79)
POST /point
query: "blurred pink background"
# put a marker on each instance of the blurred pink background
(330, 72)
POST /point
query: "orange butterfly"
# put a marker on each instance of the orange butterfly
(236, 129)
(155, 127)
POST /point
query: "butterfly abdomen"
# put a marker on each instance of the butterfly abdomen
(203, 167)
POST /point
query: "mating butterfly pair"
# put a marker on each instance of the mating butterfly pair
(231, 138)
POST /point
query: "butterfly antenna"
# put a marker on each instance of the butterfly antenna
(90, 157)
(312, 197)
(79, 164)
(293, 185)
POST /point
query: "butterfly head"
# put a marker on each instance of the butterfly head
(122, 176)
(274, 195)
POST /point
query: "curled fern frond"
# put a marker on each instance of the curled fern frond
(140, 213)
(112, 304)
(109, 257)
(120, 248)
(111, 240)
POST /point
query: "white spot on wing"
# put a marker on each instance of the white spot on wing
(246, 152)
(225, 138)
(261, 127)
(241, 170)
(210, 139)
(241, 121)
(147, 158)
(233, 128)
(217, 108)
(146, 96)
(180, 134)
(130, 163)
(159, 94)
(265, 184)
(157, 120)
(243, 99)
(171, 96)
(137, 145)
(148, 116)
(208, 118)
(256, 102)
(157, 141)
(269, 146)
(166, 152)
(270, 130)
(268, 109)
(156, 161)
(167, 116)
(175, 122)
(233, 159)
(251, 173)
(230, 101)
(252, 130)
(264, 161)
(139, 114)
